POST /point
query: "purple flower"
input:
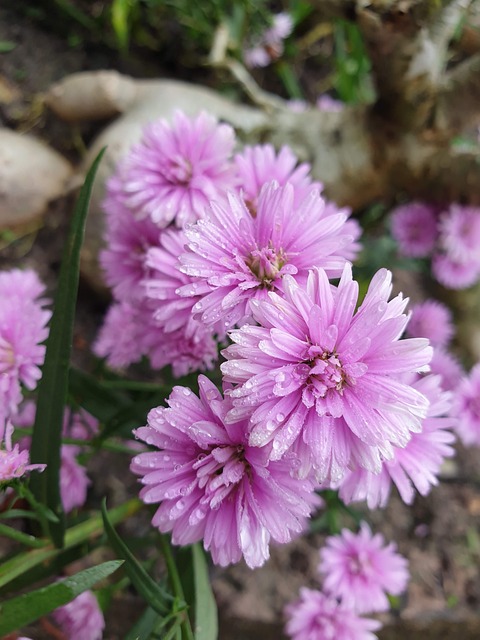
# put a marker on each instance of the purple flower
(320, 375)
(212, 485)
(360, 570)
(325, 102)
(467, 407)
(433, 320)
(242, 258)
(23, 327)
(454, 274)
(176, 169)
(316, 616)
(74, 481)
(260, 164)
(127, 242)
(82, 618)
(416, 466)
(414, 227)
(14, 462)
(119, 338)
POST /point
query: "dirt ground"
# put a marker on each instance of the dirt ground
(439, 535)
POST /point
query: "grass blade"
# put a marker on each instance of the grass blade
(53, 387)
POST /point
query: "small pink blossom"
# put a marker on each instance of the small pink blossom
(325, 102)
(269, 46)
(360, 570)
(446, 365)
(212, 485)
(454, 274)
(467, 407)
(176, 169)
(460, 234)
(14, 462)
(414, 227)
(74, 481)
(23, 329)
(316, 616)
(433, 320)
(82, 618)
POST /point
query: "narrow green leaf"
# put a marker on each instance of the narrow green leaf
(27, 608)
(154, 595)
(19, 536)
(94, 396)
(206, 615)
(52, 389)
(145, 625)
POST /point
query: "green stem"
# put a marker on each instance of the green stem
(23, 538)
(74, 536)
(187, 633)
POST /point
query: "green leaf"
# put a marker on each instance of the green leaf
(6, 46)
(121, 17)
(52, 389)
(27, 608)
(159, 599)
(206, 615)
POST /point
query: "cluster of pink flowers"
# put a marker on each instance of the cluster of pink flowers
(194, 233)
(268, 47)
(449, 238)
(358, 572)
(318, 391)
(82, 618)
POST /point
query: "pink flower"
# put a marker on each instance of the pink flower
(119, 338)
(467, 407)
(454, 274)
(212, 485)
(23, 327)
(360, 570)
(260, 164)
(176, 169)
(316, 616)
(325, 102)
(82, 618)
(414, 227)
(127, 242)
(241, 258)
(433, 320)
(417, 465)
(460, 234)
(14, 463)
(321, 375)
(74, 481)
(269, 46)
(444, 364)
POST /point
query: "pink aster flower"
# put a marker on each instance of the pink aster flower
(360, 570)
(454, 274)
(23, 327)
(242, 258)
(14, 462)
(74, 481)
(325, 102)
(176, 169)
(119, 337)
(269, 46)
(321, 375)
(316, 616)
(433, 320)
(417, 465)
(212, 485)
(260, 164)
(460, 233)
(82, 618)
(467, 407)
(127, 242)
(414, 227)
(444, 364)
